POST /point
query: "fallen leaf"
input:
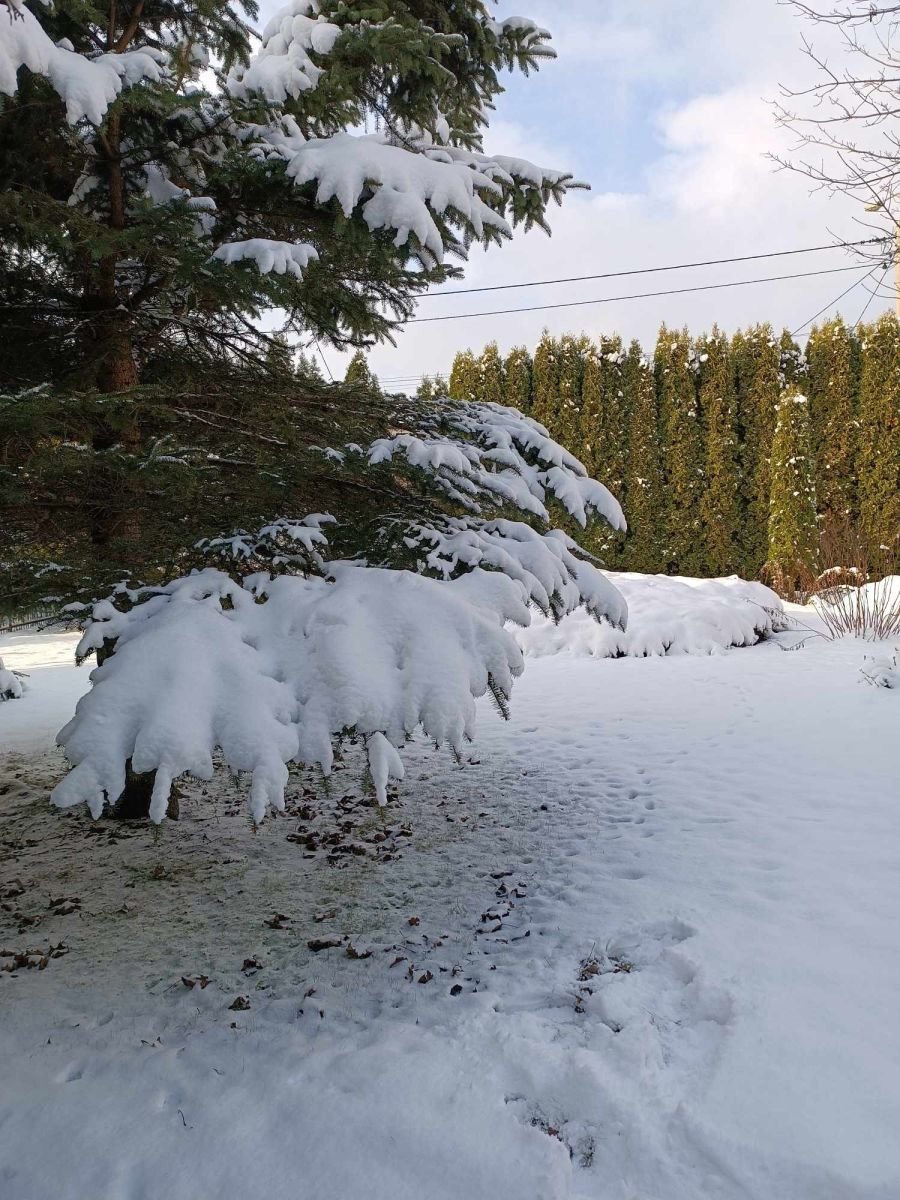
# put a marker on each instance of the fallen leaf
(330, 943)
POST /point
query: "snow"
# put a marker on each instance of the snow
(55, 683)
(666, 615)
(410, 187)
(11, 686)
(205, 665)
(485, 437)
(666, 894)
(87, 85)
(290, 258)
(282, 67)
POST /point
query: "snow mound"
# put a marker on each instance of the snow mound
(11, 686)
(666, 615)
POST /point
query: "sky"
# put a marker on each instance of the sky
(664, 107)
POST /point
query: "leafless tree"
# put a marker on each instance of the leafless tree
(846, 121)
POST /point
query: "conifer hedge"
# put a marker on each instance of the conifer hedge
(700, 444)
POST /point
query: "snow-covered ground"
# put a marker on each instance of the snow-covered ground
(644, 947)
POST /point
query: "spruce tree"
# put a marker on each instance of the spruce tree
(279, 357)
(308, 368)
(359, 373)
(878, 447)
(793, 529)
(166, 179)
(682, 451)
(832, 355)
(757, 362)
(517, 379)
(465, 377)
(720, 504)
(643, 492)
(491, 388)
(545, 383)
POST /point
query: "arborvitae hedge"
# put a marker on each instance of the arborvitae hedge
(645, 493)
(878, 446)
(758, 383)
(720, 503)
(545, 382)
(517, 379)
(832, 370)
(793, 527)
(686, 441)
(492, 382)
(682, 450)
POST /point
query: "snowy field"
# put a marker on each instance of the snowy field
(643, 947)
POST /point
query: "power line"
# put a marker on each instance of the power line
(324, 359)
(701, 287)
(711, 262)
(832, 303)
(872, 295)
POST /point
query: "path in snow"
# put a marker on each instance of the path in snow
(683, 988)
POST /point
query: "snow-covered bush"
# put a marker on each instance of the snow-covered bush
(883, 671)
(276, 656)
(11, 685)
(666, 615)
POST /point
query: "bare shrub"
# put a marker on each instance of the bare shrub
(854, 596)
(870, 611)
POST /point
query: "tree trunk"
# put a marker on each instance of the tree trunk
(116, 368)
(134, 802)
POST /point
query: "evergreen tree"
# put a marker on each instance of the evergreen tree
(592, 402)
(757, 363)
(517, 379)
(682, 451)
(440, 388)
(308, 368)
(720, 504)
(612, 433)
(425, 390)
(465, 377)
(878, 449)
(793, 529)
(165, 181)
(360, 373)
(604, 427)
(832, 355)
(492, 385)
(644, 498)
(545, 383)
(279, 355)
(567, 426)
(791, 363)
